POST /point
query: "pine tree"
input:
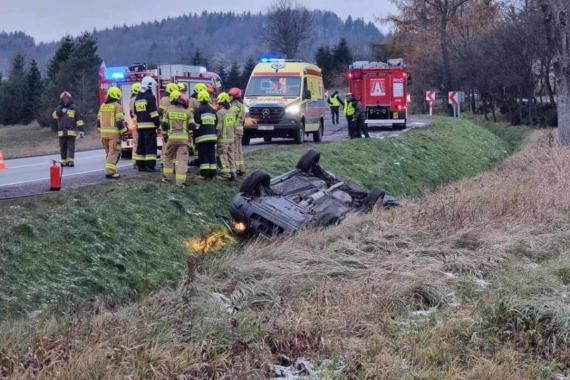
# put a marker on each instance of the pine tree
(33, 92)
(246, 73)
(342, 56)
(14, 93)
(198, 60)
(234, 78)
(221, 71)
(324, 60)
(61, 55)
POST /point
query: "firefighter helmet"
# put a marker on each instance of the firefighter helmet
(173, 95)
(182, 87)
(147, 83)
(114, 93)
(200, 87)
(203, 96)
(185, 99)
(223, 98)
(170, 87)
(65, 94)
(235, 93)
(136, 88)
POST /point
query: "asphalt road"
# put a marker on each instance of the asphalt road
(30, 176)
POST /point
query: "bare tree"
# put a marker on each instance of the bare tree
(288, 26)
(557, 19)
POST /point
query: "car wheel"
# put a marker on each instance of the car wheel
(126, 153)
(267, 139)
(372, 198)
(300, 134)
(253, 184)
(245, 140)
(308, 160)
(318, 135)
(328, 219)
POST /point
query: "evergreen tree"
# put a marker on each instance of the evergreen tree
(198, 60)
(342, 56)
(33, 92)
(61, 55)
(234, 78)
(324, 60)
(246, 73)
(221, 71)
(14, 92)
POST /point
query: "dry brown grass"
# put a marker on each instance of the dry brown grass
(345, 293)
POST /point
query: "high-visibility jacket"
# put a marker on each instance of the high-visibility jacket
(238, 108)
(132, 112)
(177, 122)
(334, 101)
(227, 122)
(111, 119)
(146, 111)
(69, 120)
(163, 104)
(348, 108)
(206, 122)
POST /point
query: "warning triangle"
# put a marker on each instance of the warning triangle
(377, 89)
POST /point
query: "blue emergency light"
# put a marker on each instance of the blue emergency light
(115, 73)
(269, 59)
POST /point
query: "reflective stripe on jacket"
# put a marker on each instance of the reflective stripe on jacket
(176, 122)
(111, 119)
(227, 121)
(206, 121)
(146, 111)
(238, 108)
(68, 120)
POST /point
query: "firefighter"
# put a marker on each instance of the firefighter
(148, 121)
(237, 106)
(135, 90)
(360, 126)
(349, 110)
(177, 123)
(334, 104)
(205, 136)
(227, 121)
(194, 103)
(111, 125)
(162, 105)
(69, 124)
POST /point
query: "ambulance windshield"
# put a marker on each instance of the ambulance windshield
(274, 86)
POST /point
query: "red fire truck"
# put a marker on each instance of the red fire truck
(383, 90)
(124, 77)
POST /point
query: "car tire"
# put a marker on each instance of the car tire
(328, 219)
(268, 139)
(308, 161)
(126, 153)
(318, 135)
(300, 134)
(372, 198)
(253, 184)
(245, 140)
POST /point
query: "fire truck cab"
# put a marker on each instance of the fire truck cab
(383, 90)
(124, 77)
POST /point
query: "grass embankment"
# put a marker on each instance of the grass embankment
(33, 140)
(344, 294)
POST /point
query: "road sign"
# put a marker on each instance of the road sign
(430, 96)
(453, 97)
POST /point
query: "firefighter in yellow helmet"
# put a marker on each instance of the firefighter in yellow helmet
(227, 121)
(177, 123)
(135, 90)
(205, 136)
(69, 123)
(111, 125)
(194, 103)
(162, 105)
(238, 108)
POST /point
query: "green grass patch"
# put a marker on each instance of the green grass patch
(125, 238)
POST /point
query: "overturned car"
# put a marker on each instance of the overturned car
(305, 196)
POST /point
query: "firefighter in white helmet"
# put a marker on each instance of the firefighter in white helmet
(148, 120)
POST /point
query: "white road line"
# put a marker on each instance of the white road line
(47, 159)
(64, 176)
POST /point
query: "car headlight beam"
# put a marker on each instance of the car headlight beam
(293, 110)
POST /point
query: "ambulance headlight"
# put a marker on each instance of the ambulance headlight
(293, 110)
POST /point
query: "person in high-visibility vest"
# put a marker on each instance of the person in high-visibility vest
(111, 125)
(349, 111)
(228, 118)
(334, 104)
(69, 124)
(135, 89)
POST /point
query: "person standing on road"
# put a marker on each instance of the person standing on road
(135, 90)
(177, 122)
(227, 121)
(206, 122)
(237, 106)
(69, 124)
(111, 125)
(359, 120)
(148, 121)
(162, 105)
(334, 103)
(349, 110)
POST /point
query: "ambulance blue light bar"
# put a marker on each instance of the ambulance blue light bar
(115, 73)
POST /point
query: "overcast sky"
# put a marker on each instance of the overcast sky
(48, 20)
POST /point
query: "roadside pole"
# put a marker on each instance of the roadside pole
(430, 98)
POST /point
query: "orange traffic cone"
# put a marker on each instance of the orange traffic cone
(2, 162)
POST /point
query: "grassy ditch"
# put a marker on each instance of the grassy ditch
(121, 239)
